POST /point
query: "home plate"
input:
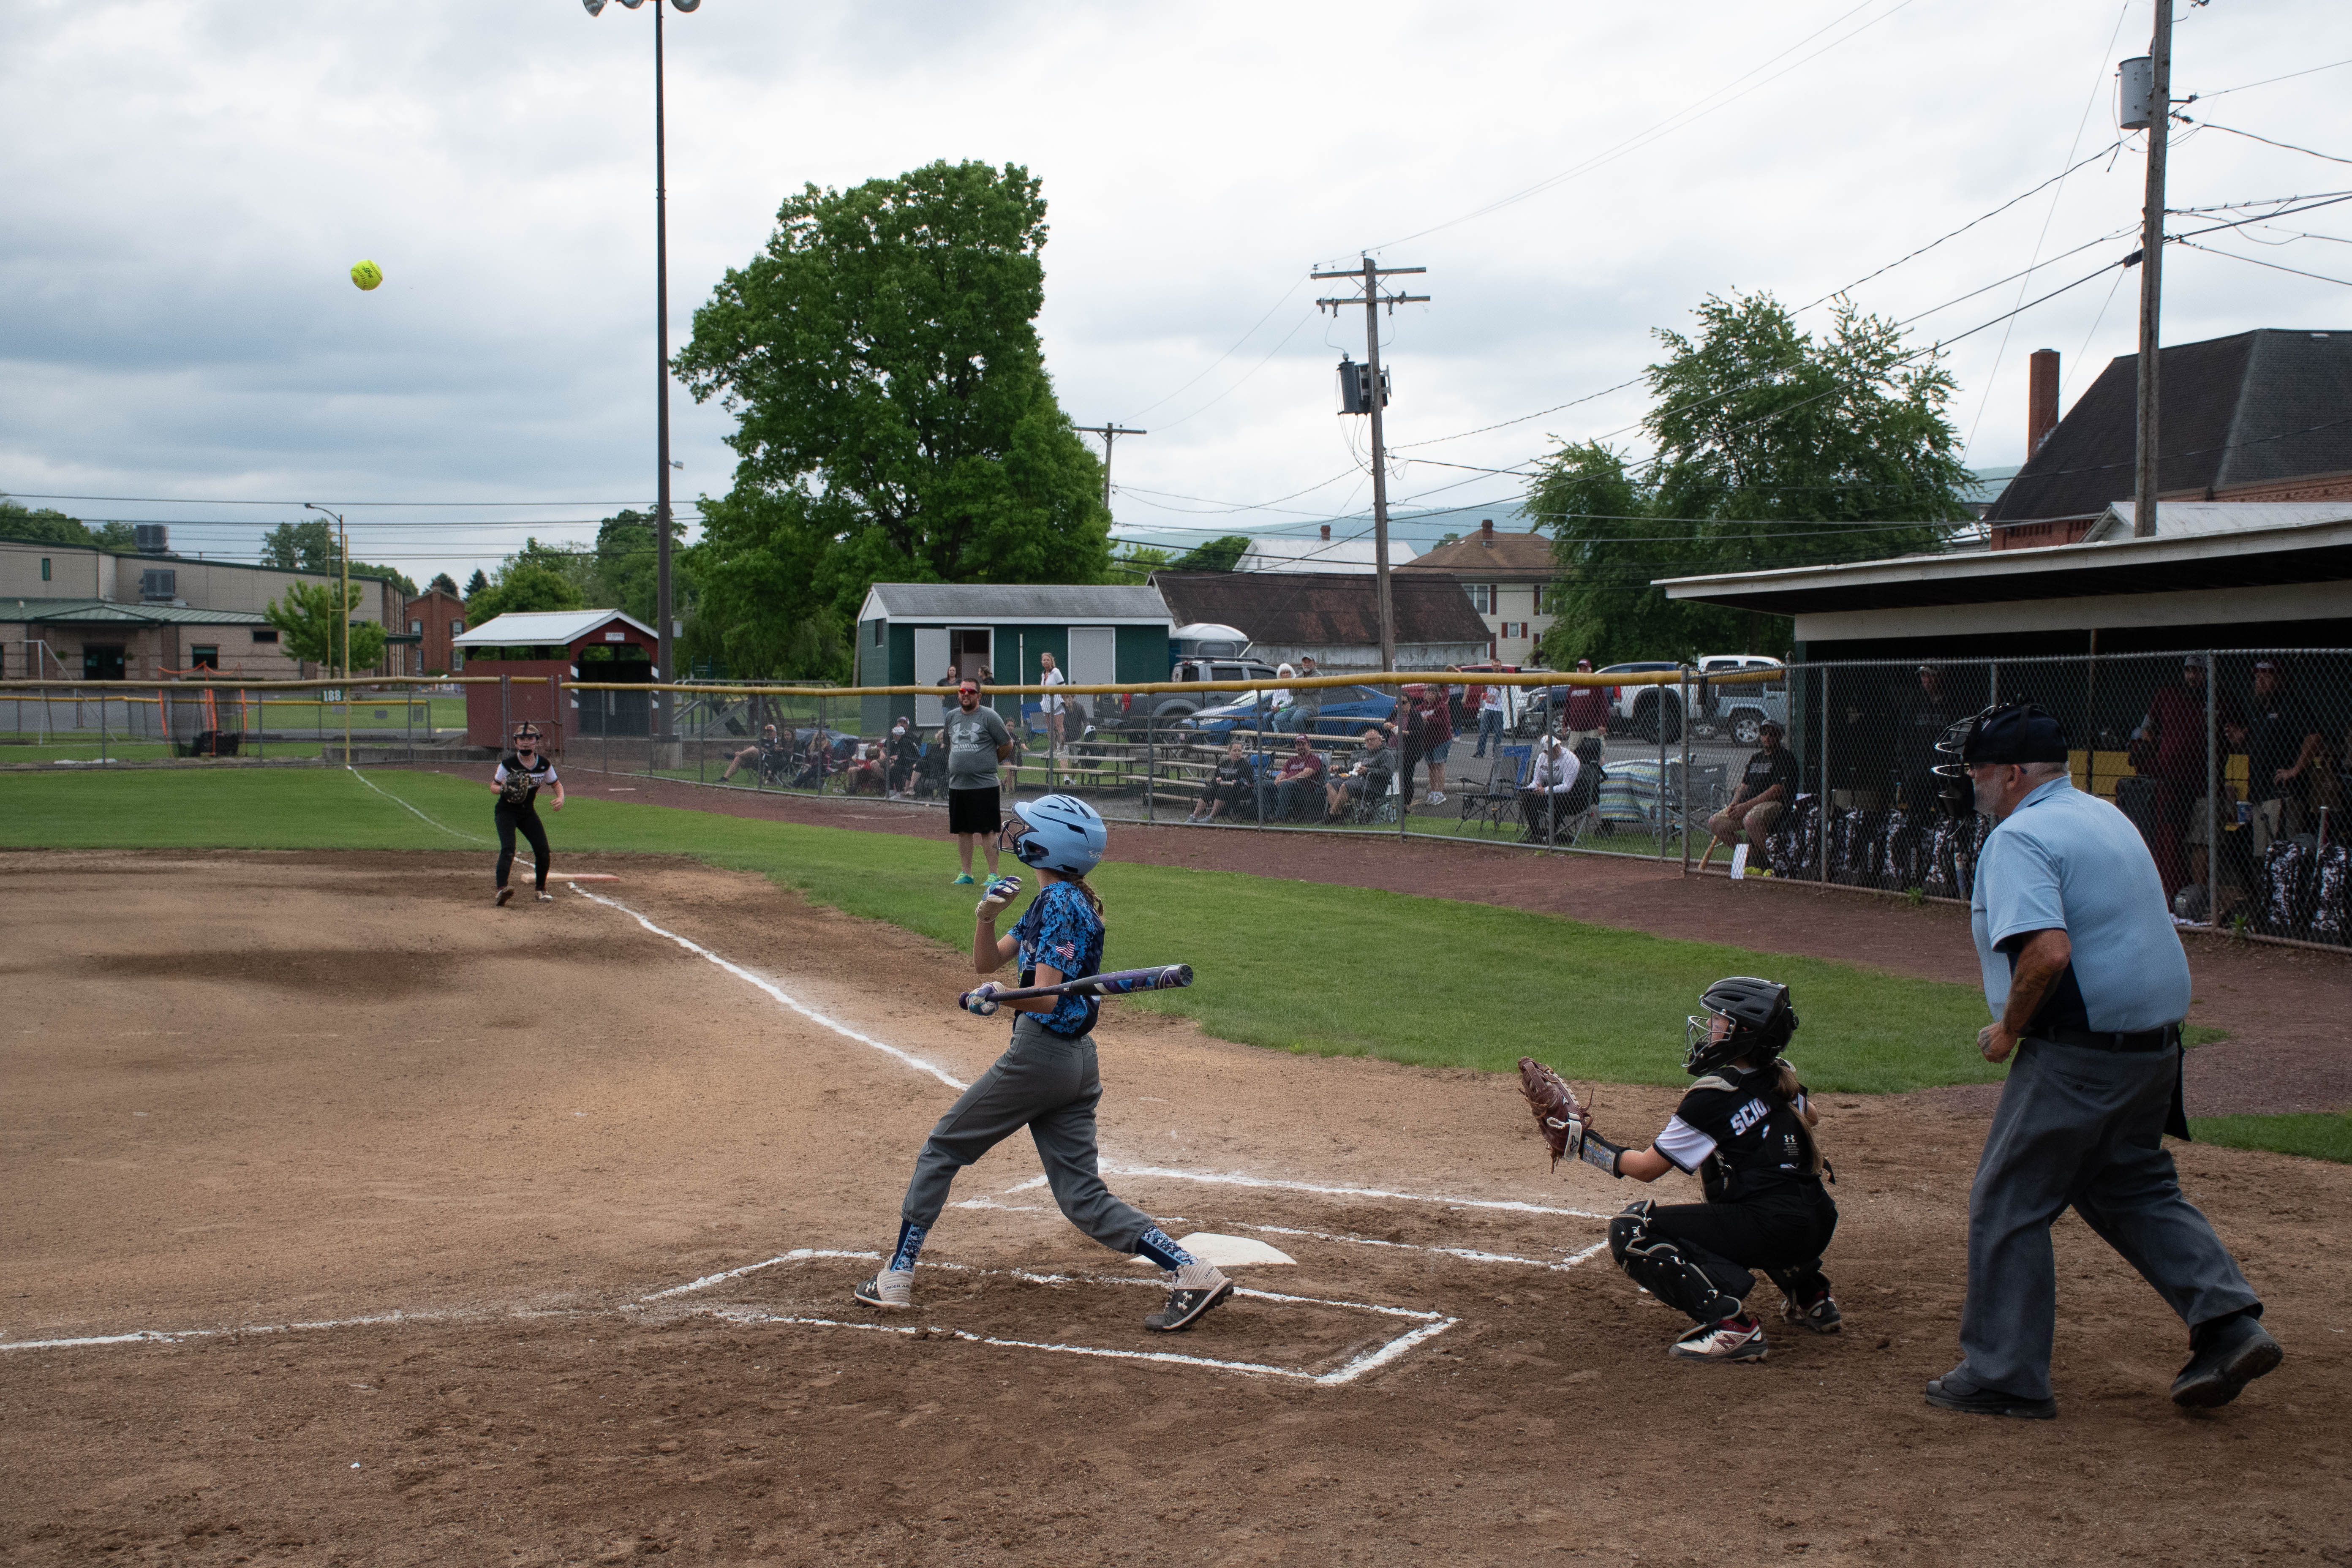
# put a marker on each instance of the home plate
(1229, 1251)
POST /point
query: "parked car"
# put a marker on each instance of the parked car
(1739, 709)
(1347, 709)
(1164, 706)
(1644, 709)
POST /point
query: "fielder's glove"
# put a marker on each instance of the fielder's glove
(1000, 891)
(982, 1002)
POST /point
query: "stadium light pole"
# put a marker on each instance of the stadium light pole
(664, 731)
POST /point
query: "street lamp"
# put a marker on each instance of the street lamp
(664, 731)
(343, 556)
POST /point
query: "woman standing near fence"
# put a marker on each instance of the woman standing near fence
(521, 774)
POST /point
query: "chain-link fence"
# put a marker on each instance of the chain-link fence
(2235, 766)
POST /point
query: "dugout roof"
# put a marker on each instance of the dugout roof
(535, 628)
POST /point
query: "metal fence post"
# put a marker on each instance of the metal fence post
(1151, 747)
(1659, 710)
(1684, 823)
(1825, 800)
(2214, 771)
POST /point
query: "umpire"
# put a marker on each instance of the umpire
(2088, 984)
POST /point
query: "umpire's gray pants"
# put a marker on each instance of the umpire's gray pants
(2083, 1128)
(1050, 1086)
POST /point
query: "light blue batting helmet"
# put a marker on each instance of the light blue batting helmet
(1058, 833)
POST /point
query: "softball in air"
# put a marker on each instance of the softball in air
(367, 274)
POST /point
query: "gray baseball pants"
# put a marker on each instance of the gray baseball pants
(2080, 1128)
(1049, 1085)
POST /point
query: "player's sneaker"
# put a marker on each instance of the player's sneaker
(545, 896)
(892, 1288)
(1821, 1314)
(1734, 1339)
(1437, 797)
(1199, 1287)
(505, 894)
(963, 881)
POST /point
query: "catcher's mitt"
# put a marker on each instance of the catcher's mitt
(1564, 1119)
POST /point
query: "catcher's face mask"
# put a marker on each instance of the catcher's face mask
(1955, 791)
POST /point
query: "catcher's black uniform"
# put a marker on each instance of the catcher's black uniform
(1766, 1207)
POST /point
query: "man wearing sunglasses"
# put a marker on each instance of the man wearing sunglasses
(521, 774)
(977, 740)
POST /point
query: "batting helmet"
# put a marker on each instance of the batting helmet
(1056, 833)
(1760, 1017)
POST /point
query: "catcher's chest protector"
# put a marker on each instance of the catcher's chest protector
(1759, 1141)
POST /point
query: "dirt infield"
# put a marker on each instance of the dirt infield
(250, 1091)
(2274, 1003)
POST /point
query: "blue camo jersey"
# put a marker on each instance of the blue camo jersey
(1061, 928)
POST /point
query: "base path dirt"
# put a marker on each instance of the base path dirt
(352, 1220)
(2277, 1005)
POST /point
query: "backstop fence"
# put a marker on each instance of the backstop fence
(2236, 766)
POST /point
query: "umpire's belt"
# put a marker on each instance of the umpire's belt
(2157, 1039)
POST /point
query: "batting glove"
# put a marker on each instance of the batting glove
(1000, 891)
(983, 1001)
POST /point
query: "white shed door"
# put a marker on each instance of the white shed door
(931, 654)
(1093, 656)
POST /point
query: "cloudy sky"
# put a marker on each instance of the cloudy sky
(190, 180)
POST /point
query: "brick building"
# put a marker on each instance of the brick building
(434, 618)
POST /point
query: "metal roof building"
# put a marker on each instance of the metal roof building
(911, 634)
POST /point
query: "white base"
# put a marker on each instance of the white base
(1228, 1251)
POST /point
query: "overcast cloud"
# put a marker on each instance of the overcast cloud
(190, 180)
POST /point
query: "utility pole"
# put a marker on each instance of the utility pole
(1371, 300)
(1108, 433)
(2151, 265)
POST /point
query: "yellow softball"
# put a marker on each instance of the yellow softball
(367, 275)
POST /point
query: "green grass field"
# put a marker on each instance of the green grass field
(2317, 1135)
(1291, 966)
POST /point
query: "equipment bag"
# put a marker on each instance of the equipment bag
(2282, 891)
(2331, 896)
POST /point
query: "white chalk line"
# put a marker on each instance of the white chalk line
(1234, 1179)
(377, 1319)
(811, 1013)
(1471, 1254)
(1113, 1167)
(410, 809)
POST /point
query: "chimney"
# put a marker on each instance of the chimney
(1486, 533)
(1326, 530)
(2041, 399)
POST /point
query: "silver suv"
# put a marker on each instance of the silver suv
(1739, 708)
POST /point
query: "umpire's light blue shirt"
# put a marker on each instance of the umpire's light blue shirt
(2069, 862)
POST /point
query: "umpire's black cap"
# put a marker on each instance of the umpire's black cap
(2021, 732)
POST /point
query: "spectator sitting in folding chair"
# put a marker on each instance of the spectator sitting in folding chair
(1231, 788)
(817, 762)
(1544, 800)
(932, 768)
(1300, 780)
(1363, 786)
(905, 754)
(865, 774)
(1764, 792)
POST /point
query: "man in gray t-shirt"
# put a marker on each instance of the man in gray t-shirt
(977, 740)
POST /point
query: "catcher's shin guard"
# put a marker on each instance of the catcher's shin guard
(1659, 1267)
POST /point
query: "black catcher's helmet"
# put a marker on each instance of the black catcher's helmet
(1761, 1022)
(2017, 732)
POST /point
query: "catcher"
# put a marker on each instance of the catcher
(1746, 1130)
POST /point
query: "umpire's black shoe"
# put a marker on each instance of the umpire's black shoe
(1187, 1305)
(1970, 1400)
(2229, 1356)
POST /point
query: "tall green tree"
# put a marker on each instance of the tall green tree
(444, 583)
(310, 546)
(476, 584)
(1218, 554)
(536, 577)
(1773, 448)
(1136, 564)
(895, 420)
(46, 525)
(309, 629)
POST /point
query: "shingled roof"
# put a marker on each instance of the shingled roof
(2259, 408)
(1323, 608)
(1485, 555)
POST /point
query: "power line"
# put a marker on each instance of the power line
(2255, 261)
(2287, 146)
(2267, 81)
(1690, 114)
(198, 500)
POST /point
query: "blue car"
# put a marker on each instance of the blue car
(1347, 710)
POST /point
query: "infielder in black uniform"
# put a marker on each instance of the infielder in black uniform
(1745, 1129)
(521, 774)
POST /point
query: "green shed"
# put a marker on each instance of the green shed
(912, 634)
